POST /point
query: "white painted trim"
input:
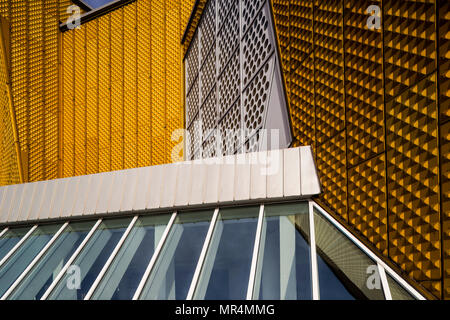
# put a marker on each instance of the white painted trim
(14, 249)
(314, 267)
(71, 260)
(374, 257)
(110, 259)
(35, 260)
(201, 260)
(384, 282)
(251, 280)
(154, 257)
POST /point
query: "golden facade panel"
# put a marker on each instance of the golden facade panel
(374, 104)
(301, 75)
(331, 162)
(445, 183)
(363, 84)
(410, 48)
(33, 54)
(344, 75)
(127, 79)
(302, 102)
(367, 201)
(9, 160)
(413, 181)
(444, 59)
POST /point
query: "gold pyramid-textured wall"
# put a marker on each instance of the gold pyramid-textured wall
(33, 54)
(374, 104)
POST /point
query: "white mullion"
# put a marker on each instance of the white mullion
(110, 259)
(251, 280)
(154, 257)
(384, 282)
(35, 260)
(374, 257)
(14, 249)
(314, 268)
(201, 260)
(71, 260)
(3, 232)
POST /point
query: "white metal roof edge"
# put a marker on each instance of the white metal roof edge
(239, 179)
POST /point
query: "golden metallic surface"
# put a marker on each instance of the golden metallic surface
(374, 104)
(444, 104)
(103, 97)
(10, 166)
(122, 76)
(375, 107)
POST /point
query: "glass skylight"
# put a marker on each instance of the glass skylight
(96, 3)
(292, 251)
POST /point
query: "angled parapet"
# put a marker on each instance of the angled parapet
(234, 90)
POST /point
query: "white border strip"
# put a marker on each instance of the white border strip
(252, 277)
(14, 249)
(70, 261)
(154, 257)
(34, 262)
(314, 268)
(201, 260)
(374, 257)
(3, 232)
(384, 282)
(110, 259)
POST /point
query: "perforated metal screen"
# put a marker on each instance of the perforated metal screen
(231, 66)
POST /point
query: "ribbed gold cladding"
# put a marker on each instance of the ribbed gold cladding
(9, 149)
(125, 69)
(367, 100)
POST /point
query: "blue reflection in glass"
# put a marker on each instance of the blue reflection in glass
(10, 239)
(123, 276)
(226, 270)
(41, 276)
(96, 3)
(20, 260)
(91, 260)
(176, 265)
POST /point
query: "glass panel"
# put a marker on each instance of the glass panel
(91, 260)
(96, 3)
(284, 262)
(346, 263)
(173, 272)
(123, 276)
(20, 260)
(331, 287)
(397, 291)
(10, 239)
(49, 266)
(226, 269)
